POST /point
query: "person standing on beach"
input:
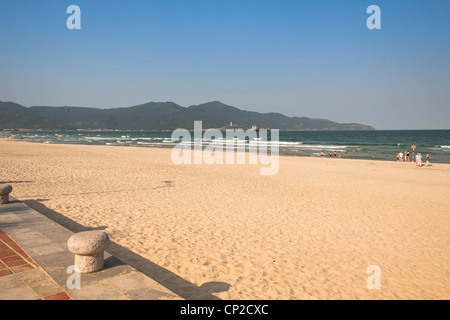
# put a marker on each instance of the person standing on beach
(419, 160)
(335, 154)
(340, 155)
(330, 154)
(407, 156)
(346, 155)
(428, 158)
(398, 157)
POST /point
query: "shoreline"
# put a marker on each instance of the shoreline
(308, 232)
(280, 154)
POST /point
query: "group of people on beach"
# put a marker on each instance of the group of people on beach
(336, 155)
(404, 157)
(401, 157)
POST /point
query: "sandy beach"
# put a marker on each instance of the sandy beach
(308, 232)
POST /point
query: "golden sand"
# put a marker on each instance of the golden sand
(308, 232)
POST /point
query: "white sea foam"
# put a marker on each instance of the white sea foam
(147, 143)
(311, 146)
(99, 138)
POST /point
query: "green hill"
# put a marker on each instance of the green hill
(156, 116)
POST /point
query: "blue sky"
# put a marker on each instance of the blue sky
(301, 58)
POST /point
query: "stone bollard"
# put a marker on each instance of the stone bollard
(88, 248)
(5, 190)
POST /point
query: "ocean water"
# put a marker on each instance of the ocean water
(380, 144)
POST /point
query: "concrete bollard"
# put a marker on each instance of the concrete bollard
(5, 190)
(88, 248)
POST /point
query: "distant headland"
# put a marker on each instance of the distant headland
(157, 116)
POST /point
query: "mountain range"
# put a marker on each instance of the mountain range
(156, 116)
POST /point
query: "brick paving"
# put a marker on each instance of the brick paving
(14, 260)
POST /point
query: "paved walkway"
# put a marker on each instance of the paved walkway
(21, 277)
(34, 262)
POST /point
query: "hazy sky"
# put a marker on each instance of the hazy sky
(301, 58)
